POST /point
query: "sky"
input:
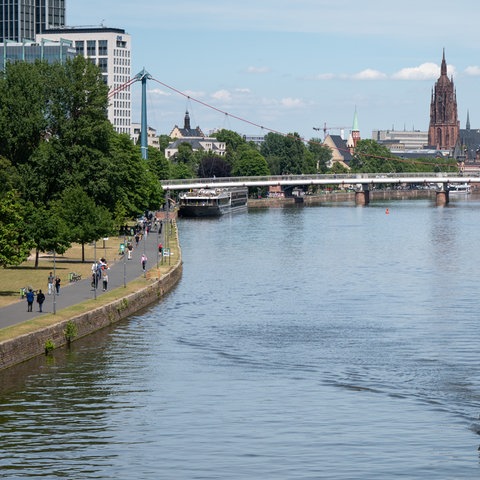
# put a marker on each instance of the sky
(256, 66)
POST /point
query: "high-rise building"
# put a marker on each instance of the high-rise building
(444, 127)
(21, 19)
(49, 14)
(110, 49)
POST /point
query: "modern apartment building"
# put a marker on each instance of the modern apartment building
(110, 49)
(22, 19)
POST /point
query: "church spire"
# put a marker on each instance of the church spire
(186, 123)
(468, 120)
(443, 69)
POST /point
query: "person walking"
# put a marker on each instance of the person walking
(105, 280)
(57, 285)
(143, 260)
(40, 300)
(51, 278)
(30, 297)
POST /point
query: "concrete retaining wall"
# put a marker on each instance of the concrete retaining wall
(25, 347)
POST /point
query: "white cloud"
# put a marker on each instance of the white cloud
(473, 71)
(369, 74)
(425, 71)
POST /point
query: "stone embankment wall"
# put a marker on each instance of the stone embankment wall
(25, 347)
(338, 197)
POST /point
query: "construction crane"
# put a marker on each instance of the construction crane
(326, 128)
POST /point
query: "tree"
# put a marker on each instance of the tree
(250, 163)
(86, 221)
(129, 178)
(321, 154)
(47, 230)
(158, 164)
(212, 165)
(14, 244)
(23, 110)
(371, 157)
(287, 154)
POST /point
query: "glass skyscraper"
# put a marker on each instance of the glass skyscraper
(21, 19)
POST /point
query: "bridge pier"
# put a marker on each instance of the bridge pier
(362, 196)
(442, 198)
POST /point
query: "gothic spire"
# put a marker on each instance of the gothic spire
(443, 69)
(468, 120)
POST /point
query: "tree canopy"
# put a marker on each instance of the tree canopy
(55, 139)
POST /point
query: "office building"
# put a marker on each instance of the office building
(110, 49)
(51, 52)
(22, 19)
(401, 140)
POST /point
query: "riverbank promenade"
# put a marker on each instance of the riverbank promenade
(120, 273)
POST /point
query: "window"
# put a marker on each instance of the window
(103, 47)
(80, 47)
(91, 48)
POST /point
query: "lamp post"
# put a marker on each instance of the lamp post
(95, 278)
(54, 282)
(167, 226)
(124, 259)
(158, 249)
(144, 254)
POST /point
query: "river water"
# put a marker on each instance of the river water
(327, 342)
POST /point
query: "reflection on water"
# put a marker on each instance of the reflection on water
(323, 342)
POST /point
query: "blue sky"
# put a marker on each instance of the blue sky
(291, 65)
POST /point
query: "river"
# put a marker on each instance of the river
(326, 342)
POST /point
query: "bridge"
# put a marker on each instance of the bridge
(360, 182)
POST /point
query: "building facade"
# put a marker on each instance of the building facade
(397, 140)
(195, 138)
(444, 127)
(110, 50)
(152, 137)
(22, 19)
(51, 52)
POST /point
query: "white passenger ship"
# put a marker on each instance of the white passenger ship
(210, 202)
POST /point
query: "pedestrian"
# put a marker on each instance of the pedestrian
(51, 278)
(137, 239)
(129, 250)
(30, 298)
(40, 300)
(160, 249)
(57, 285)
(143, 260)
(105, 281)
(99, 272)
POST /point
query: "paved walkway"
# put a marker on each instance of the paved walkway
(121, 272)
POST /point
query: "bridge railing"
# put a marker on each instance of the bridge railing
(339, 178)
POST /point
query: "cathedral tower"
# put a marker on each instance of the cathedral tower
(444, 127)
